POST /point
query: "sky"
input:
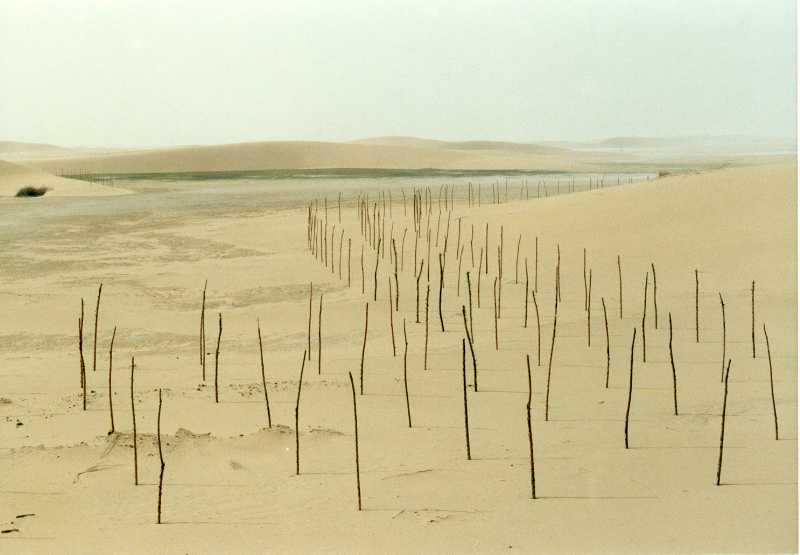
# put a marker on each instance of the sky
(149, 74)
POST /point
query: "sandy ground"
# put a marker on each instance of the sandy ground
(230, 484)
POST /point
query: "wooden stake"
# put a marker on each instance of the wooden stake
(722, 376)
(80, 349)
(496, 343)
(530, 428)
(419, 275)
(405, 371)
(441, 288)
(216, 363)
(466, 407)
(644, 317)
(355, 426)
(319, 337)
(160, 457)
(263, 376)
(133, 418)
(538, 331)
(364, 348)
(391, 319)
(516, 266)
(722, 431)
(427, 299)
(471, 349)
(771, 384)
(310, 308)
(96, 314)
(608, 343)
(552, 348)
(480, 264)
(469, 294)
(655, 298)
(377, 262)
(619, 267)
(203, 332)
(589, 312)
(110, 367)
(672, 362)
(297, 417)
(630, 391)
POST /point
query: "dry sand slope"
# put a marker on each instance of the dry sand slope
(14, 177)
(230, 482)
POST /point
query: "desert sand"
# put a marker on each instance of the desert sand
(230, 483)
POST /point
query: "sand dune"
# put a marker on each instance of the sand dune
(14, 177)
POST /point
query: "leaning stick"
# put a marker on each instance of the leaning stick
(441, 287)
(427, 299)
(419, 275)
(644, 317)
(216, 363)
(530, 429)
(630, 391)
(585, 283)
(364, 347)
(722, 377)
(722, 431)
(96, 314)
(516, 266)
(771, 385)
(466, 409)
(133, 417)
(480, 264)
(552, 348)
(471, 349)
(160, 457)
(355, 421)
(391, 319)
(589, 312)
(297, 417)
(655, 300)
(319, 337)
(458, 282)
(110, 366)
(310, 308)
(405, 372)
(377, 262)
(619, 267)
(469, 294)
(496, 344)
(80, 349)
(672, 362)
(538, 331)
(608, 343)
(203, 332)
(263, 376)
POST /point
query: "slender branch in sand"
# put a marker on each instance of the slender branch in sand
(619, 267)
(655, 298)
(391, 319)
(419, 275)
(516, 265)
(377, 262)
(471, 349)
(771, 384)
(355, 421)
(672, 362)
(538, 331)
(310, 309)
(441, 287)
(160, 457)
(427, 299)
(216, 363)
(496, 342)
(644, 317)
(630, 391)
(724, 332)
(364, 348)
(203, 332)
(319, 337)
(589, 312)
(405, 371)
(110, 367)
(458, 282)
(722, 431)
(585, 283)
(552, 348)
(466, 408)
(362, 269)
(96, 314)
(263, 375)
(530, 428)
(80, 349)
(608, 344)
(133, 418)
(297, 418)
(480, 264)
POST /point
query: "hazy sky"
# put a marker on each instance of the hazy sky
(160, 73)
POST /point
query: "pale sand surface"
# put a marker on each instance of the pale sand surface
(14, 177)
(230, 483)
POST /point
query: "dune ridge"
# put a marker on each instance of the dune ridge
(14, 177)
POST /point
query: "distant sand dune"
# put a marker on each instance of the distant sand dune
(14, 177)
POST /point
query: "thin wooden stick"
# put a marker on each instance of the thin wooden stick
(496, 343)
(377, 262)
(530, 428)
(263, 376)
(516, 266)
(362, 269)
(466, 407)
(655, 299)
(364, 348)
(538, 331)
(585, 283)
(630, 391)
(552, 348)
(458, 282)
(419, 275)
(160, 457)
(471, 349)
(355, 426)
(216, 363)
(441, 288)
(608, 343)
(391, 319)
(480, 264)
(724, 333)
(619, 267)
(405, 371)
(297, 418)
(80, 349)
(319, 337)
(644, 317)
(310, 309)
(771, 384)
(427, 299)
(133, 418)
(722, 431)
(589, 311)
(203, 332)
(96, 314)
(469, 294)
(672, 362)
(110, 367)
